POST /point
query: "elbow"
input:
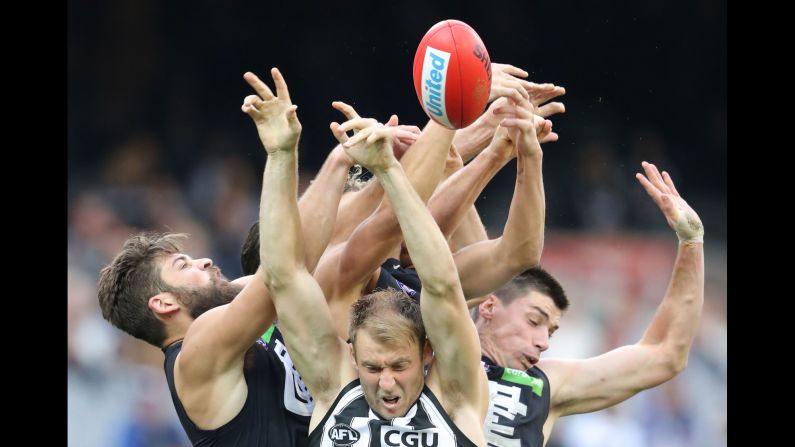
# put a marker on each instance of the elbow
(277, 278)
(680, 366)
(441, 285)
(679, 363)
(675, 361)
(532, 256)
(524, 256)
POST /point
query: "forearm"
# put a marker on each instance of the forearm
(423, 166)
(424, 162)
(520, 245)
(676, 320)
(292, 288)
(456, 195)
(523, 235)
(318, 206)
(470, 231)
(475, 137)
(281, 245)
(354, 209)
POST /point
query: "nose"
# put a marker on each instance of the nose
(204, 263)
(542, 340)
(386, 381)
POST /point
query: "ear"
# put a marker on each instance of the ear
(487, 308)
(427, 353)
(353, 356)
(164, 305)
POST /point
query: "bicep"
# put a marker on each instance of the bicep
(217, 340)
(455, 344)
(318, 353)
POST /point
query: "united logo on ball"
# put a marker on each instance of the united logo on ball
(452, 74)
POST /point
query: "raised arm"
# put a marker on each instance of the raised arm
(318, 205)
(471, 229)
(520, 245)
(580, 386)
(373, 240)
(457, 193)
(378, 236)
(357, 205)
(468, 231)
(315, 348)
(215, 343)
(456, 373)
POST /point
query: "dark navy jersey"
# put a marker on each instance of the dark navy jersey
(393, 276)
(351, 422)
(518, 406)
(277, 408)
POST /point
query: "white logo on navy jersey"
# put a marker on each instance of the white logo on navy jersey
(296, 394)
(503, 402)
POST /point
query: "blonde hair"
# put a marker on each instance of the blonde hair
(391, 317)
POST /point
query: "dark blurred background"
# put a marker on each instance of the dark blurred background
(156, 140)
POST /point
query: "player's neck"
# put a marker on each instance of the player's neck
(167, 344)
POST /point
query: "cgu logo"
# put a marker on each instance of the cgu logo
(343, 434)
(395, 438)
(434, 77)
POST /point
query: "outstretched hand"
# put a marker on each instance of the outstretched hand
(274, 115)
(523, 126)
(544, 134)
(371, 147)
(506, 82)
(404, 136)
(541, 93)
(680, 216)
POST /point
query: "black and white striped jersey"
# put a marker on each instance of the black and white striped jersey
(351, 423)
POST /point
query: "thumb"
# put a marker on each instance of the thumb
(292, 116)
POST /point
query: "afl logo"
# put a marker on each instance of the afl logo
(343, 434)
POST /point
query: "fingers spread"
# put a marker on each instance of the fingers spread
(281, 85)
(260, 87)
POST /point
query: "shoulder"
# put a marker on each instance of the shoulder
(200, 337)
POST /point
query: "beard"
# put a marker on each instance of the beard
(200, 300)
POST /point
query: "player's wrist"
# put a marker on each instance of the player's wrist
(696, 240)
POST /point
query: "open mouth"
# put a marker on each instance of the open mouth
(530, 361)
(390, 403)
